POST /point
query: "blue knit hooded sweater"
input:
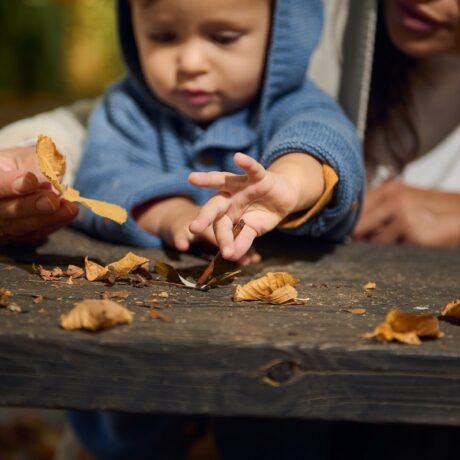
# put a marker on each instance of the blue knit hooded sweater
(139, 149)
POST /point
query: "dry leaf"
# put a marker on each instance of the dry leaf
(452, 309)
(5, 296)
(283, 295)
(94, 314)
(274, 287)
(173, 276)
(54, 274)
(356, 311)
(407, 328)
(163, 294)
(223, 278)
(74, 271)
(14, 307)
(52, 165)
(38, 299)
(155, 314)
(114, 294)
(119, 269)
(370, 285)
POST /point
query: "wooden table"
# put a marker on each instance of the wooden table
(224, 358)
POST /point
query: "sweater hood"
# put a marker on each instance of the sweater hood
(295, 30)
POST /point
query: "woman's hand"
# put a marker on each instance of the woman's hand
(29, 209)
(398, 213)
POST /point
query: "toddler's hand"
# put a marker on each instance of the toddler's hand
(260, 197)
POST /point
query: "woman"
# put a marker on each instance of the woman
(412, 142)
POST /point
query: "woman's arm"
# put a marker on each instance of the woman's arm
(29, 209)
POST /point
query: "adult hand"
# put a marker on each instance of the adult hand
(29, 209)
(398, 213)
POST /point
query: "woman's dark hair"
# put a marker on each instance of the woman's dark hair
(390, 96)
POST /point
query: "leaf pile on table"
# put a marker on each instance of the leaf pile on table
(272, 288)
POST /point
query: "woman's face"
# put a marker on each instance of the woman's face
(422, 28)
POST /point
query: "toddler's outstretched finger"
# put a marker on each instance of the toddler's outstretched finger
(243, 242)
(213, 179)
(223, 229)
(250, 166)
(214, 208)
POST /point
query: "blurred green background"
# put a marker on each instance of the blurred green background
(53, 52)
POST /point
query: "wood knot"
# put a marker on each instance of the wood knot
(278, 373)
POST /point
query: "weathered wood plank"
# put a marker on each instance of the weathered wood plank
(223, 358)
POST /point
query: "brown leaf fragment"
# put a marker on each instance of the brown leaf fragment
(407, 328)
(370, 285)
(14, 307)
(452, 309)
(355, 311)
(163, 294)
(114, 294)
(283, 295)
(54, 274)
(137, 280)
(94, 271)
(155, 314)
(5, 297)
(74, 271)
(38, 299)
(264, 288)
(50, 156)
(172, 275)
(119, 269)
(95, 314)
(70, 281)
(223, 278)
(113, 274)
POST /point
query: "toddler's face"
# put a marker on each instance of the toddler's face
(204, 58)
(422, 28)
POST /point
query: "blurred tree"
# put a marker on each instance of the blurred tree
(63, 47)
(30, 45)
(92, 58)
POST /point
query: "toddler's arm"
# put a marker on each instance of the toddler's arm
(262, 197)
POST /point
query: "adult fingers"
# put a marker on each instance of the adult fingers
(373, 217)
(39, 225)
(14, 183)
(28, 205)
(390, 233)
(214, 208)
